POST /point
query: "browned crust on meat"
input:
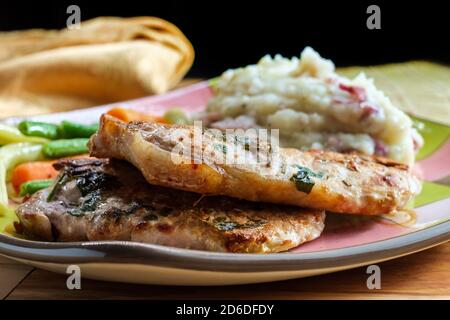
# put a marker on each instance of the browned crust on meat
(351, 183)
(361, 158)
(168, 216)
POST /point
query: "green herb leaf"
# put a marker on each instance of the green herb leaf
(90, 181)
(225, 224)
(243, 140)
(303, 179)
(221, 147)
(91, 201)
(62, 180)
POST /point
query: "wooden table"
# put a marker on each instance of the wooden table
(422, 275)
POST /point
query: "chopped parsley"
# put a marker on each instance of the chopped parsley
(86, 182)
(222, 224)
(303, 179)
(91, 201)
(221, 147)
(62, 180)
(90, 181)
(225, 224)
(243, 140)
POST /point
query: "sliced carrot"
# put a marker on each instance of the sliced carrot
(128, 115)
(37, 170)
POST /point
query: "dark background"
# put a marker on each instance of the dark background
(235, 33)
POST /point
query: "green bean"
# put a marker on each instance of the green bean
(76, 130)
(65, 147)
(10, 134)
(39, 129)
(30, 187)
(176, 116)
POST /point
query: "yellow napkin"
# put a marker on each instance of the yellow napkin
(108, 59)
(418, 87)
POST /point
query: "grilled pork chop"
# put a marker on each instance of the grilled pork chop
(169, 156)
(110, 200)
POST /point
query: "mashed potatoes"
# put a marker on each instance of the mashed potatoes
(313, 107)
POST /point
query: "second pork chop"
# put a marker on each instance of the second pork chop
(110, 200)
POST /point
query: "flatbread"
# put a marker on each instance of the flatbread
(108, 59)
